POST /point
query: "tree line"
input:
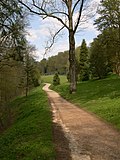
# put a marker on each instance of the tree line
(18, 69)
(57, 63)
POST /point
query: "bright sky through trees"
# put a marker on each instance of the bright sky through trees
(39, 32)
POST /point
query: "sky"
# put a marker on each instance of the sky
(39, 32)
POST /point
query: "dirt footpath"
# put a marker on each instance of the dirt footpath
(89, 138)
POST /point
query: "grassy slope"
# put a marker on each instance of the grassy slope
(30, 136)
(101, 97)
(49, 79)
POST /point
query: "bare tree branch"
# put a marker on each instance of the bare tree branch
(80, 13)
(47, 48)
(75, 6)
(60, 13)
(44, 13)
(66, 2)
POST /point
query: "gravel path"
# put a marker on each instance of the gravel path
(89, 137)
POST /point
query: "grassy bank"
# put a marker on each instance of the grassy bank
(30, 135)
(101, 97)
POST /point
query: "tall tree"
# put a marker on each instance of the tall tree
(12, 51)
(109, 23)
(109, 41)
(32, 75)
(12, 29)
(109, 12)
(12, 43)
(64, 11)
(83, 63)
(98, 59)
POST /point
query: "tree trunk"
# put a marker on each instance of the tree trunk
(72, 66)
(119, 47)
(27, 83)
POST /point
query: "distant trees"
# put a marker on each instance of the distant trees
(58, 63)
(43, 66)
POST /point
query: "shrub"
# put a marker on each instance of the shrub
(56, 79)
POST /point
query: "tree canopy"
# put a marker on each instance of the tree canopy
(109, 25)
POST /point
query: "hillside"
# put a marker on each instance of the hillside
(30, 135)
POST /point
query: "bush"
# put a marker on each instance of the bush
(56, 79)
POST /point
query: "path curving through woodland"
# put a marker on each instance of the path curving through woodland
(88, 137)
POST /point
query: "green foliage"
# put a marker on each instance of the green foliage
(12, 27)
(10, 87)
(101, 97)
(30, 136)
(10, 80)
(98, 59)
(43, 66)
(109, 14)
(109, 23)
(57, 63)
(32, 73)
(56, 79)
(83, 63)
(36, 76)
(13, 49)
(16, 77)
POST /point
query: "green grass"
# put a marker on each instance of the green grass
(30, 136)
(101, 97)
(49, 79)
